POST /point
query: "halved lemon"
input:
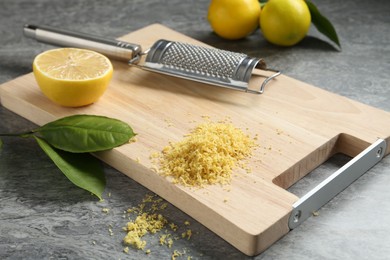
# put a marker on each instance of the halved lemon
(72, 77)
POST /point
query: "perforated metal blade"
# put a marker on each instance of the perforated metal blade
(204, 64)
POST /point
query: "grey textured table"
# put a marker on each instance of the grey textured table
(42, 216)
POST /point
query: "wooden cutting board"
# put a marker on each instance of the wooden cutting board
(299, 127)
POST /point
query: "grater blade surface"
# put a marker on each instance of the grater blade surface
(203, 64)
(198, 59)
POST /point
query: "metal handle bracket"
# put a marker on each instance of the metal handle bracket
(337, 182)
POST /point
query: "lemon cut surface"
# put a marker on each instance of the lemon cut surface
(72, 77)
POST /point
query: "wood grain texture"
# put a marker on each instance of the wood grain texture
(299, 127)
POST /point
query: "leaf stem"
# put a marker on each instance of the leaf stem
(24, 135)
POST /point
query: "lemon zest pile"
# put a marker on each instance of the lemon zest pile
(207, 155)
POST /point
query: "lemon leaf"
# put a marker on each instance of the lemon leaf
(322, 24)
(83, 170)
(86, 133)
(262, 3)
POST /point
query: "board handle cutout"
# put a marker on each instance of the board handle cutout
(337, 182)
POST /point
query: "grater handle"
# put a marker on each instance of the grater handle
(112, 48)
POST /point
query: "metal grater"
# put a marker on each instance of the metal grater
(192, 62)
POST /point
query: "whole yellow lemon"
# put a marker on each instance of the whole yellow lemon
(233, 19)
(285, 22)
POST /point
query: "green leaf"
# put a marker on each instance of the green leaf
(86, 133)
(322, 24)
(1, 144)
(262, 3)
(84, 170)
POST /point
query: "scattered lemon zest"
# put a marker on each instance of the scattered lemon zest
(173, 226)
(146, 222)
(133, 139)
(175, 254)
(148, 219)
